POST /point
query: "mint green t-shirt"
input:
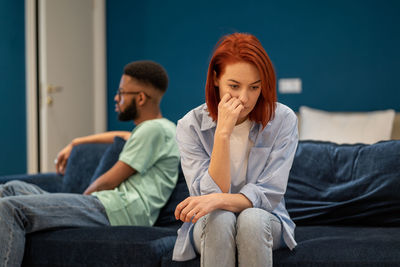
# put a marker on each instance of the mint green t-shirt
(153, 152)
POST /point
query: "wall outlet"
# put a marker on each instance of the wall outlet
(289, 86)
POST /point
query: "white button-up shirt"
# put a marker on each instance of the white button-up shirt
(269, 163)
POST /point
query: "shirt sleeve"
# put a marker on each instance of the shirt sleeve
(143, 147)
(194, 160)
(270, 185)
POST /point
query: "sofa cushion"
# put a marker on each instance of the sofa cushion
(81, 165)
(109, 158)
(99, 246)
(349, 128)
(331, 246)
(180, 192)
(345, 184)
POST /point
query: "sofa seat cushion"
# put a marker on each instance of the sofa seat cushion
(99, 246)
(332, 246)
(342, 246)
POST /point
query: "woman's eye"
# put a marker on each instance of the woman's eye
(255, 87)
(234, 86)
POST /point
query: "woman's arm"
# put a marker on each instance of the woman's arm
(229, 109)
(197, 206)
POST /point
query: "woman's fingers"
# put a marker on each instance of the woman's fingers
(187, 209)
(225, 98)
(179, 208)
(198, 215)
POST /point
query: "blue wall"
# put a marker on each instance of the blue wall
(346, 52)
(12, 87)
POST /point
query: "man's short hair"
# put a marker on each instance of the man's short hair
(148, 72)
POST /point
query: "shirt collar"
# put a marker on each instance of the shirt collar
(207, 122)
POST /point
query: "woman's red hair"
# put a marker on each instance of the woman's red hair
(243, 47)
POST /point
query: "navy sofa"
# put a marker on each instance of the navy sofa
(345, 200)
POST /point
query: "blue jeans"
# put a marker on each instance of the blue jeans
(25, 208)
(254, 233)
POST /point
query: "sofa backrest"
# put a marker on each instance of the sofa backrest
(345, 184)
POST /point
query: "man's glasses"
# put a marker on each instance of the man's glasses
(120, 93)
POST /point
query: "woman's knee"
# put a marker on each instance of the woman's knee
(220, 221)
(254, 223)
(215, 229)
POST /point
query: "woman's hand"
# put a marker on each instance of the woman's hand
(229, 109)
(62, 158)
(195, 207)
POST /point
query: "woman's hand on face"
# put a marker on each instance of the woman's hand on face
(195, 207)
(229, 109)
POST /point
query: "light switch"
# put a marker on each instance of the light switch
(289, 86)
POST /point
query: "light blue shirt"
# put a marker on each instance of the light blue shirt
(269, 163)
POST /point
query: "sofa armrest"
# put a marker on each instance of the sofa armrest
(50, 182)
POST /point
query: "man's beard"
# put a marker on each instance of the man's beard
(130, 113)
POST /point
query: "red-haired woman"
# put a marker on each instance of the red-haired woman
(236, 154)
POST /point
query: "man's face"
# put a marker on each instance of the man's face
(125, 99)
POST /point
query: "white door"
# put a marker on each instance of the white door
(67, 70)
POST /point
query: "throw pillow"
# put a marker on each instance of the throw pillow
(109, 158)
(81, 165)
(349, 128)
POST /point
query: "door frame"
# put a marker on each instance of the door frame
(32, 78)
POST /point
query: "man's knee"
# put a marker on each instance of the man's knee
(6, 207)
(8, 189)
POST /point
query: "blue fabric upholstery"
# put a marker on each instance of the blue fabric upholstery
(342, 246)
(345, 184)
(109, 158)
(344, 199)
(166, 216)
(99, 246)
(81, 165)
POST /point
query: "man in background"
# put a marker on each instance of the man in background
(127, 194)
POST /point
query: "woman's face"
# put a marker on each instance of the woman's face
(242, 81)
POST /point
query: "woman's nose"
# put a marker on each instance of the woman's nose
(243, 96)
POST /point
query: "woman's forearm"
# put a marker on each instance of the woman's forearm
(219, 168)
(195, 207)
(234, 202)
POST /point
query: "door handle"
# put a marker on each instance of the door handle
(53, 89)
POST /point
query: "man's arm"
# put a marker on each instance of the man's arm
(107, 137)
(112, 178)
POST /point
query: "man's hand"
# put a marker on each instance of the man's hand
(62, 158)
